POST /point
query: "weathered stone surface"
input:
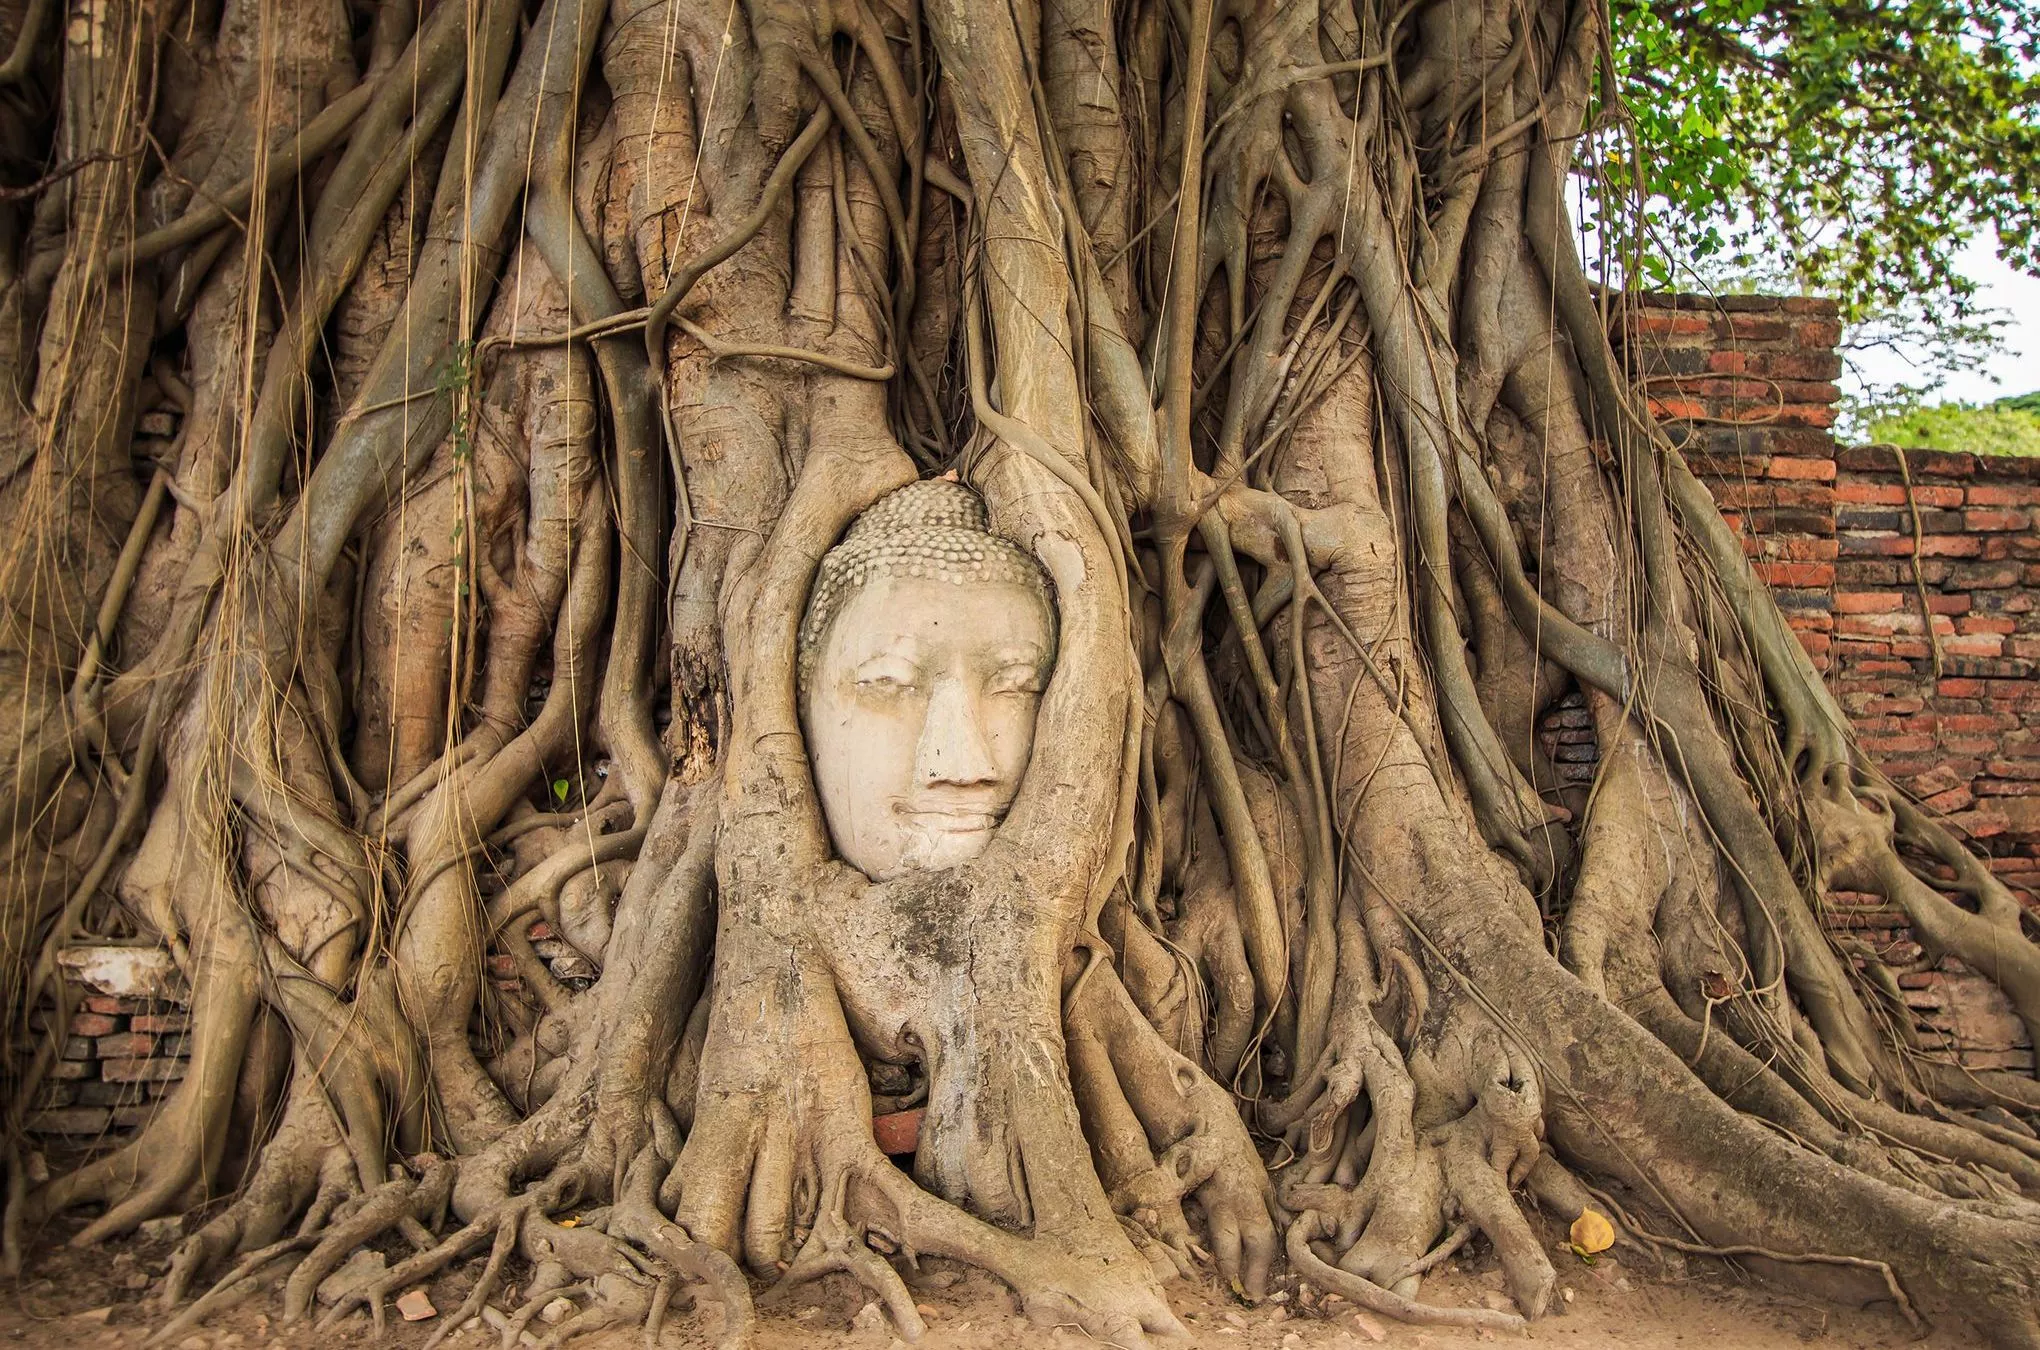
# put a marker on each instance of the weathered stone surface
(125, 972)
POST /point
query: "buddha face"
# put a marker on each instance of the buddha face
(920, 717)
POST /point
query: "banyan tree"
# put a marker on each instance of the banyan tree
(995, 558)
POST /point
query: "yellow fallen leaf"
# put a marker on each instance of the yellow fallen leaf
(1592, 1233)
(576, 1223)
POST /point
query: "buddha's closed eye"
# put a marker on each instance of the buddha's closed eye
(887, 674)
(1015, 679)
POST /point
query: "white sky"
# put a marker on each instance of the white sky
(2015, 370)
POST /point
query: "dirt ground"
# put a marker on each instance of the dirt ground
(103, 1300)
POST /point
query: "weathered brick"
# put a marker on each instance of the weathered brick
(1707, 465)
(1772, 520)
(1888, 623)
(1790, 365)
(1809, 391)
(1984, 576)
(1940, 464)
(1785, 466)
(1898, 744)
(102, 1093)
(1869, 494)
(1930, 520)
(1673, 409)
(2002, 494)
(1974, 644)
(125, 1045)
(1954, 799)
(1657, 323)
(1866, 572)
(1655, 360)
(74, 1120)
(1868, 543)
(1798, 547)
(1804, 414)
(1753, 328)
(1796, 573)
(141, 1070)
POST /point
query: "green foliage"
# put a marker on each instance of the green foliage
(1852, 148)
(2010, 426)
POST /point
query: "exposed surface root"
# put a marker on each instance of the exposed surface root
(404, 551)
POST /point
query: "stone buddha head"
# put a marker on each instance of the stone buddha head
(924, 651)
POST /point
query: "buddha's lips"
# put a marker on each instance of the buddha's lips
(953, 819)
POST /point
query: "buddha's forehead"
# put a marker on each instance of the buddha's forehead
(921, 617)
(932, 532)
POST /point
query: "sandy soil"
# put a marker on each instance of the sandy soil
(103, 1300)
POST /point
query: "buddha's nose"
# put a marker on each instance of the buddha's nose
(954, 748)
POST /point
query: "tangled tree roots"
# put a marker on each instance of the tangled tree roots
(428, 420)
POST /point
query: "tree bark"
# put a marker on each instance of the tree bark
(523, 364)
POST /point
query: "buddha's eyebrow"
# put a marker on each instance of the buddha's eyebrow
(906, 649)
(870, 646)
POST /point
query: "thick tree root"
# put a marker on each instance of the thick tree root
(1261, 327)
(1311, 1225)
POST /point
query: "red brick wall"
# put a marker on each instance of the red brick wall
(1866, 547)
(122, 1056)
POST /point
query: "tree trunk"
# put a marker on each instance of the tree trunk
(525, 362)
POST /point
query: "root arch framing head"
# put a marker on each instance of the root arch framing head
(431, 690)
